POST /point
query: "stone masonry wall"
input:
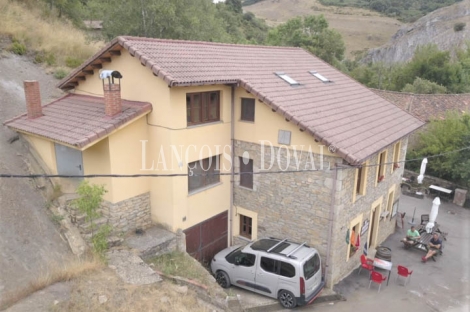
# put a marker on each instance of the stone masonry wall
(346, 211)
(289, 205)
(129, 214)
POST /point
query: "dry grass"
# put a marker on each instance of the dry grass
(162, 296)
(58, 273)
(182, 265)
(42, 33)
(361, 29)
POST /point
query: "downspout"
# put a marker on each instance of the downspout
(331, 217)
(232, 165)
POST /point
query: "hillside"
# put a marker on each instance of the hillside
(361, 29)
(436, 27)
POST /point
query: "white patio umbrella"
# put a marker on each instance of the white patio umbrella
(422, 170)
(433, 215)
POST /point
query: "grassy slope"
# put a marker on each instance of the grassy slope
(361, 29)
(42, 32)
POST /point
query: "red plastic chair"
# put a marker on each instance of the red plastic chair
(367, 264)
(376, 277)
(405, 272)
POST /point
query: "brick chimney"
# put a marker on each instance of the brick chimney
(112, 99)
(33, 99)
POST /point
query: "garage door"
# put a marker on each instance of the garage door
(207, 238)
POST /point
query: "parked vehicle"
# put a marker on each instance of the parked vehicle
(281, 269)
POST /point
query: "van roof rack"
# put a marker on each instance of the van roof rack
(295, 250)
(279, 243)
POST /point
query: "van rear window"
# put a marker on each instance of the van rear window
(311, 266)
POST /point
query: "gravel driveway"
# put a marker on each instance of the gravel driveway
(29, 240)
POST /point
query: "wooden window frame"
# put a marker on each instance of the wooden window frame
(381, 161)
(246, 226)
(204, 106)
(209, 175)
(360, 180)
(396, 156)
(246, 173)
(244, 103)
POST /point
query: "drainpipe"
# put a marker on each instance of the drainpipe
(232, 157)
(334, 174)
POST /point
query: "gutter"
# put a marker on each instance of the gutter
(331, 217)
(232, 157)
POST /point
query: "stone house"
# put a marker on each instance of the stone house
(234, 142)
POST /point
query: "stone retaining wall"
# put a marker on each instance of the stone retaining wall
(129, 214)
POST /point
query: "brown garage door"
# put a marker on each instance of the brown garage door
(207, 238)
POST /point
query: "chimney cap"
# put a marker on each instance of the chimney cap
(110, 73)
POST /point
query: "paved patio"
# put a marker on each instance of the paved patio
(442, 286)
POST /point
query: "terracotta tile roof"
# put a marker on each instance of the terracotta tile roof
(343, 113)
(427, 106)
(77, 120)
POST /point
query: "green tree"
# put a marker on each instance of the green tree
(311, 33)
(234, 6)
(175, 19)
(423, 86)
(441, 136)
(89, 200)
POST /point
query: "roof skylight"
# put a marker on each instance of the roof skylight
(287, 79)
(319, 76)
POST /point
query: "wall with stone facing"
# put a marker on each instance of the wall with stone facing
(129, 214)
(297, 205)
(346, 210)
(289, 205)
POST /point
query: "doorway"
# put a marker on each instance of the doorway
(374, 223)
(69, 160)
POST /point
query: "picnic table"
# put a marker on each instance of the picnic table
(422, 243)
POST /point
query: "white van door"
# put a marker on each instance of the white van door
(312, 274)
(243, 271)
(266, 277)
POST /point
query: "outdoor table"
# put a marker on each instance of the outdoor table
(422, 231)
(384, 265)
(441, 190)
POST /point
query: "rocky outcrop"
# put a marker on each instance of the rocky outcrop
(436, 27)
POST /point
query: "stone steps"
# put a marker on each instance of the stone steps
(86, 228)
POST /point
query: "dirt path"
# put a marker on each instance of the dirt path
(29, 240)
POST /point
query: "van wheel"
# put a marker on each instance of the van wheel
(222, 279)
(287, 299)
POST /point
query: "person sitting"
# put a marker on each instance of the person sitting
(434, 246)
(412, 237)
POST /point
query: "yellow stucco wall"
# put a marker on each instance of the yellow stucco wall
(96, 161)
(267, 125)
(126, 158)
(46, 151)
(190, 144)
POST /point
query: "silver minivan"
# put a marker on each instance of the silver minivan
(276, 268)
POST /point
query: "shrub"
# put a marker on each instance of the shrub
(18, 48)
(50, 59)
(459, 26)
(72, 62)
(60, 73)
(100, 240)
